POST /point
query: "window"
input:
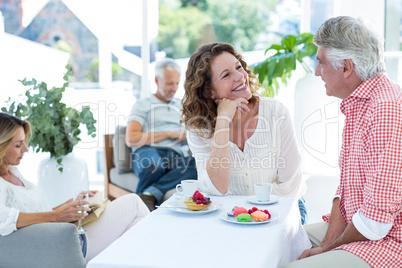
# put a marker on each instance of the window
(393, 40)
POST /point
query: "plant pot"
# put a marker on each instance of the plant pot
(59, 187)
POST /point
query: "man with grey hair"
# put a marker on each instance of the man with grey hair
(364, 228)
(159, 151)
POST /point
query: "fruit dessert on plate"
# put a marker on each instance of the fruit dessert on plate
(243, 215)
(197, 201)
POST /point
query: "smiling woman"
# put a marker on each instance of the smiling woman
(231, 128)
(229, 79)
(200, 101)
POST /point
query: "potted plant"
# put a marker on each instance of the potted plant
(279, 66)
(55, 129)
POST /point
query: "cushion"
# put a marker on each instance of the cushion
(127, 181)
(42, 245)
(121, 153)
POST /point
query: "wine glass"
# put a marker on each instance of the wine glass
(81, 196)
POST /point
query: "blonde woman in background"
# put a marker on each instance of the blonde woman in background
(23, 204)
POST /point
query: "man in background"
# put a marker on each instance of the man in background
(158, 141)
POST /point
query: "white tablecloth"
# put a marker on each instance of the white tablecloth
(167, 238)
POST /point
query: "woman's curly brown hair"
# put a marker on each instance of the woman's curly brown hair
(199, 109)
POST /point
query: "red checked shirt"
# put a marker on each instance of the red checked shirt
(371, 167)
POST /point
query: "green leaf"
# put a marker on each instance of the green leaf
(305, 38)
(275, 86)
(275, 47)
(289, 42)
(12, 107)
(280, 66)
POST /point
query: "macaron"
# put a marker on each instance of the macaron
(243, 217)
(259, 215)
(238, 211)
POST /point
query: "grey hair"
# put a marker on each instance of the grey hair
(165, 64)
(350, 38)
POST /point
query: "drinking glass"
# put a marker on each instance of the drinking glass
(81, 196)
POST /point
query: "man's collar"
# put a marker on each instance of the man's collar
(154, 98)
(365, 89)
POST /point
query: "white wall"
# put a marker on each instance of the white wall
(21, 58)
(371, 10)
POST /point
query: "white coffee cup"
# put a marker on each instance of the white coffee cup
(187, 187)
(263, 191)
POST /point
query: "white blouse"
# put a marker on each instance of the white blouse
(271, 154)
(15, 199)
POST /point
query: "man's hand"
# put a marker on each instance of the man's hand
(136, 138)
(311, 252)
(178, 135)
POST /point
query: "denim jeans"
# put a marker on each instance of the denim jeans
(303, 211)
(161, 169)
(83, 244)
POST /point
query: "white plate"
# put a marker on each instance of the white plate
(179, 206)
(224, 216)
(253, 199)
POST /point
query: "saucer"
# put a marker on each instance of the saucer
(178, 195)
(253, 199)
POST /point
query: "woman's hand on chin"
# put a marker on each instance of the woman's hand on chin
(228, 107)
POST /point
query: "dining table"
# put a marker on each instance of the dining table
(173, 236)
